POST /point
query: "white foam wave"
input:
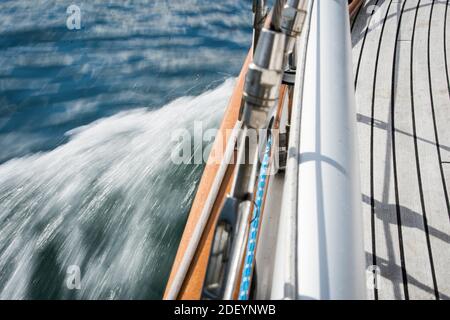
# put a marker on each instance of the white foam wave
(109, 201)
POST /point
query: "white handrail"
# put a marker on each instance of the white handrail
(322, 255)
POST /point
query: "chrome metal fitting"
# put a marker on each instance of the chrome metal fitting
(263, 78)
(259, 17)
(292, 21)
(293, 17)
(291, 68)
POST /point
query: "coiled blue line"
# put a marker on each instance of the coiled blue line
(254, 226)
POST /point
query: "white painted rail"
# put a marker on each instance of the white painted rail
(320, 244)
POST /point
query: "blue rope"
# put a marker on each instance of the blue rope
(244, 290)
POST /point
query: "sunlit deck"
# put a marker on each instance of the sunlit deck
(400, 57)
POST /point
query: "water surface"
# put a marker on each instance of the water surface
(85, 122)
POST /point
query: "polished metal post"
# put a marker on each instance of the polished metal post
(260, 96)
(277, 11)
(292, 21)
(259, 16)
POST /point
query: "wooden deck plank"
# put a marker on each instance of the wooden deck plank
(417, 259)
(447, 51)
(446, 157)
(434, 199)
(440, 86)
(364, 58)
(447, 171)
(365, 99)
(404, 173)
(360, 33)
(388, 246)
(438, 120)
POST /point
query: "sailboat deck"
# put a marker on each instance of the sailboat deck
(401, 54)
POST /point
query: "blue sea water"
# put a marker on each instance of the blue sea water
(85, 123)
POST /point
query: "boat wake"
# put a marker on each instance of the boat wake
(109, 202)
